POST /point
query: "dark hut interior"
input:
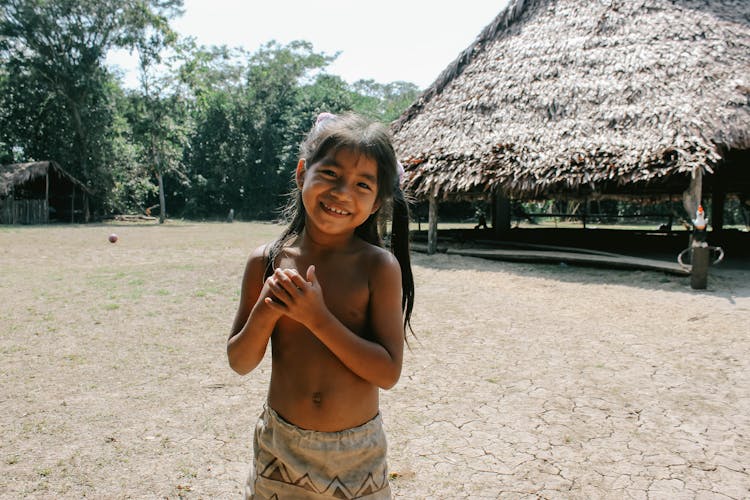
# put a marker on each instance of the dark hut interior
(41, 193)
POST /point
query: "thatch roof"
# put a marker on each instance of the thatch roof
(585, 97)
(16, 174)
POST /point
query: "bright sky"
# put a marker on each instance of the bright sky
(385, 40)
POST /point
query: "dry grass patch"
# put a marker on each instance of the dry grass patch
(539, 380)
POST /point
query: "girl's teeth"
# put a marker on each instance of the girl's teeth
(335, 210)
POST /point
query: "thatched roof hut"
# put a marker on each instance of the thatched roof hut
(586, 99)
(37, 192)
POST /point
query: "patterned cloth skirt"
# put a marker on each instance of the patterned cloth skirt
(294, 463)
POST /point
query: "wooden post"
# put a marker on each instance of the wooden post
(86, 212)
(718, 197)
(717, 211)
(46, 197)
(12, 205)
(432, 224)
(691, 197)
(501, 212)
(699, 259)
(699, 251)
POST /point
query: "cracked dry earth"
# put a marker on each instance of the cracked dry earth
(524, 381)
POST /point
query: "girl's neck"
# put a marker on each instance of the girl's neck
(315, 241)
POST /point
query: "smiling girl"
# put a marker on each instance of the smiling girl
(335, 304)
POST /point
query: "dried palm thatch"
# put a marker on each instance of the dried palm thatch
(17, 174)
(586, 98)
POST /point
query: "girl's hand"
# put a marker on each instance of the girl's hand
(295, 297)
(266, 294)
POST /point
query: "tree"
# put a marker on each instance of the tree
(55, 50)
(212, 79)
(251, 115)
(383, 102)
(247, 133)
(205, 71)
(159, 124)
(275, 76)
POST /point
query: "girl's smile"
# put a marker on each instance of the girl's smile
(334, 210)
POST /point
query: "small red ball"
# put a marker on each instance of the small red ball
(113, 238)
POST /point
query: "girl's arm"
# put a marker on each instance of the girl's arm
(378, 360)
(254, 321)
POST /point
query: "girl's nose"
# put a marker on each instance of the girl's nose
(342, 189)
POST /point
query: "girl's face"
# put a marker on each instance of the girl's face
(339, 192)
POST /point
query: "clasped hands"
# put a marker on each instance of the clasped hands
(294, 296)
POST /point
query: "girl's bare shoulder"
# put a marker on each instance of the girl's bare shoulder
(256, 262)
(377, 258)
(259, 253)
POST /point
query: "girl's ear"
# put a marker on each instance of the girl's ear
(299, 175)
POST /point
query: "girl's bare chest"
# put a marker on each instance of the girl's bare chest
(345, 287)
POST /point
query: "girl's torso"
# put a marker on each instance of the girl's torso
(310, 387)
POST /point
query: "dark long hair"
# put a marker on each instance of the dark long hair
(335, 132)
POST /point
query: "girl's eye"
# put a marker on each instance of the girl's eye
(329, 173)
(364, 186)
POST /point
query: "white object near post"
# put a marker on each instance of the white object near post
(432, 224)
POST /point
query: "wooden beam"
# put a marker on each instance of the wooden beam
(432, 225)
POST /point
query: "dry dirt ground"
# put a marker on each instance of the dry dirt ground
(525, 381)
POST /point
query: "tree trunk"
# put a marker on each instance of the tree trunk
(162, 201)
(81, 135)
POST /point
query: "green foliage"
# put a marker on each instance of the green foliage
(244, 146)
(219, 126)
(384, 102)
(60, 102)
(206, 71)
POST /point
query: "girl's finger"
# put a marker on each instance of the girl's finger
(283, 281)
(311, 277)
(295, 278)
(279, 291)
(291, 273)
(278, 295)
(298, 281)
(274, 304)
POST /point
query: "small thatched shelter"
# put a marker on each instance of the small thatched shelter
(590, 99)
(41, 192)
